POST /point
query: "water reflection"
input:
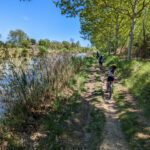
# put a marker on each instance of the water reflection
(27, 64)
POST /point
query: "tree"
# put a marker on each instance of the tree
(26, 43)
(129, 8)
(17, 37)
(133, 9)
(1, 44)
(78, 44)
(71, 8)
(33, 41)
(48, 43)
(66, 44)
(96, 24)
(42, 43)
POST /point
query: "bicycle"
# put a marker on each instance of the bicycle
(100, 67)
(110, 89)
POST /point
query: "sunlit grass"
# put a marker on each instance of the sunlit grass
(135, 76)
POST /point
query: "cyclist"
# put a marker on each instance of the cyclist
(111, 73)
(97, 55)
(100, 61)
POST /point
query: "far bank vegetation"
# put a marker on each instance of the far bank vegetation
(19, 44)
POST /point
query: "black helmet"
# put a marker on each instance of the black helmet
(114, 66)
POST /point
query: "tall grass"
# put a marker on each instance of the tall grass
(29, 92)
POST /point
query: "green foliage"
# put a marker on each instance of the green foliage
(66, 44)
(64, 49)
(25, 52)
(134, 75)
(42, 50)
(48, 43)
(17, 36)
(130, 123)
(33, 41)
(16, 52)
(2, 44)
(41, 84)
(42, 43)
(26, 43)
(8, 44)
(108, 23)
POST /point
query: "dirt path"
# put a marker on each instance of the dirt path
(113, 138)
(88, 96)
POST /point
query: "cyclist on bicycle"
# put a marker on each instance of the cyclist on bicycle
(100, 61)
(97, 55)
(111, 75)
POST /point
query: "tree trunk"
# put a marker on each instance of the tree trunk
(144, 35)
(108, 45)
(131, 37)
(116, 36)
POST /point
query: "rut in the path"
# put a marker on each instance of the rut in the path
(113, 138)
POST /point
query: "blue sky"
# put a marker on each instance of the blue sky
(40, 19)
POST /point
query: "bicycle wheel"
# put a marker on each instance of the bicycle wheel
(110, 90)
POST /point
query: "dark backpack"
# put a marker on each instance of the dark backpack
(101, 59)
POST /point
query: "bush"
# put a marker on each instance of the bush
(64, 49)
(42, 43)
(42, 50)
(16, 52)
(6, 52)
(33, 41)
(1, 44)
(25, 52)
(66, 44)
(26, 43)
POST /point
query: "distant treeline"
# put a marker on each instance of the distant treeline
(18, 39)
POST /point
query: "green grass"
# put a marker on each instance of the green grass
(41, 85)
(135, 76)
(64, 118)
(60, 121)
(130, 124)
(66, 122)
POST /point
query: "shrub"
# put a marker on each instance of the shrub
(33, 41)
(28, 90)
(66, 44)
(1, 44)
(25, 52)
(16, 52)
(64, 49)
(42, 43)
(26, 43)
(42, 50)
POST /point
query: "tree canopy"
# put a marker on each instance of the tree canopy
(17, 36)
(108, 24)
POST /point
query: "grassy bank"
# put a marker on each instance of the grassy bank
(135, 76)
(77, 125)
(134, 114)
(37, 50)
(31, 95)
(45, 109)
